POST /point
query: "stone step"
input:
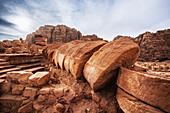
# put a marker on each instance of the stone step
(3, 76)
(8, 70)
(4, 63)
(35, 69)
(6, 66)
(25, 66)
(2, 60)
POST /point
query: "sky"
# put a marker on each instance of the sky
(105, 18)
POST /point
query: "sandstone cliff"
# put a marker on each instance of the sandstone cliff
(153, 46)
(59, 33)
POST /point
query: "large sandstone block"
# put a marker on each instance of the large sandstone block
(61, 52)
(82, 55)
(150, 88)
(18, 76)
(38, 79)
(130, 104)
(103, 64)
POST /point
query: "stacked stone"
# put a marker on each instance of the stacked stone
(20, 89)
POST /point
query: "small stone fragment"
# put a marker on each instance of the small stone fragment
(38, 79)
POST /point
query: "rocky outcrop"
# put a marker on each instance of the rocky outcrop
(90, 38)
(153, 46)
(59, 33)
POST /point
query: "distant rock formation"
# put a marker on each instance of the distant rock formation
(59, 33)
(153, 46)
(90, 38)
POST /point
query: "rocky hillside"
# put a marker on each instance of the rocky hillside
(153, 46)
(59, 33)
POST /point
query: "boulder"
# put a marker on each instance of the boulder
(18, 76)
(150, 88)
(103, 65)
(38, 79)
(130, 104)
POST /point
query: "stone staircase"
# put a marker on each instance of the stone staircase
(16, 62)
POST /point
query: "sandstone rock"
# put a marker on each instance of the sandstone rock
(82, 55)
(59, 33)
(152, 89)
(90, 38)
(30, 92)
(38, 79)
(5, 87)
(37, 106)
(130, 104)
(41, 98)
(48, 50)
(28, 108)
(59, 108)
(17, 89)
(58, 92)
(154, 46)
(44, 90)
(18, 76)
(104, 64)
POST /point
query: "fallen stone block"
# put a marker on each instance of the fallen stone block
(38, 79)
(18, 76)
(130, 104)
(17, 89)
(63, 50)
(30, 92)
(103, 64)
(82, 55)
(150, 88)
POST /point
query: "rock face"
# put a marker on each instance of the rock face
(104, 64)
(90, 38)
(153, 46)
(38, 79)
(152, 89)
(59, 33)
(130, 104)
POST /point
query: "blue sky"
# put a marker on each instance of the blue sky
(106, 18)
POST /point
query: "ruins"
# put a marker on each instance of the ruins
(58, 70)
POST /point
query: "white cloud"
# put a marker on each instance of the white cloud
(106, 18)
